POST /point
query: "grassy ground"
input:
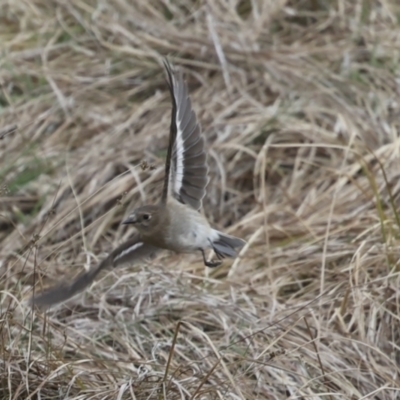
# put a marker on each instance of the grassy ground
(300, 105)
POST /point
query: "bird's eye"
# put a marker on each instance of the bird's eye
(146, 217)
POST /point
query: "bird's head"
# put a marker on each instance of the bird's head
(147, 219)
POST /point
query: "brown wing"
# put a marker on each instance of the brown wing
(129, 252)
(186, 170)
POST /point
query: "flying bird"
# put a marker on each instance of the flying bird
(175, 223)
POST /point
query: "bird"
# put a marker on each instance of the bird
(175, 222)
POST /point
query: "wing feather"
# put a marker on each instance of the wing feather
(129, 252)
(186, 170)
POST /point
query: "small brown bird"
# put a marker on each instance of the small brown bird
(175, 223)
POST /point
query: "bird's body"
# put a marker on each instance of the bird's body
(175, 223)
(187, 233)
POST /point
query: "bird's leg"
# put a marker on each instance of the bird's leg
(210, 263)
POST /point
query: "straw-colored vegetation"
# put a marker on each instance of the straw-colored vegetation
(300, 105)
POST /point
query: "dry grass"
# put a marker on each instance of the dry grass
(300, 104)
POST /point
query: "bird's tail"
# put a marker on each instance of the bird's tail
(225, 245)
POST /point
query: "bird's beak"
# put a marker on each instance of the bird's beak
(130, 220)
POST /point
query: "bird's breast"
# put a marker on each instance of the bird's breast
(188, 231)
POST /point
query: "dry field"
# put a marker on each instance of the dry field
(300, 105)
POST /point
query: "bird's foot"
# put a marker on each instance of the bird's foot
(212, 263)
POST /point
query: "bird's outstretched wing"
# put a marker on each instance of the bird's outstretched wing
(186, 170)
(127, 253)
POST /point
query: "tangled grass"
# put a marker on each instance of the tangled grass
(300, 105)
